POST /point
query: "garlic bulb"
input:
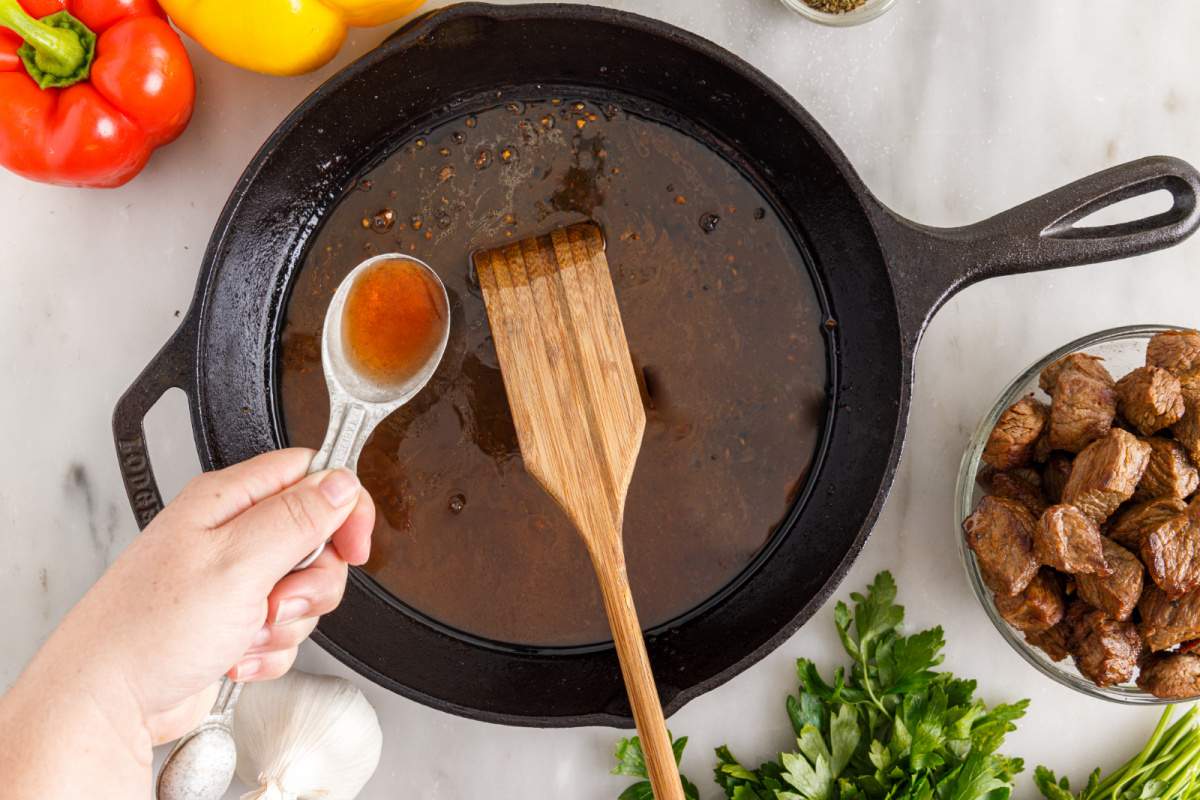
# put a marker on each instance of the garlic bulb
(305, 737)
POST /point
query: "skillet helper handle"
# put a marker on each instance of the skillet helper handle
(929, 265)
(635, 669)
(172, 368)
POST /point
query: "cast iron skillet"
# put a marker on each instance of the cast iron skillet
(882, 278)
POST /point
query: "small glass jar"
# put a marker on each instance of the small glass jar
(864, 13)
(1123, 350)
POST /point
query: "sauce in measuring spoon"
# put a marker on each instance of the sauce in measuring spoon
(393, 320)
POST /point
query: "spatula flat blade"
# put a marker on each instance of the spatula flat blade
(570, 381)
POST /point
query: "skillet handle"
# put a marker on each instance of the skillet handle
(172, 368)
(929, 265)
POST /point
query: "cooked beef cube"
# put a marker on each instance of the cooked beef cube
(1117, 594)
(1151, 398)
(1175, 676)
(1000, 532)
(1039, 607)
(1042, 449)
(1070, 541)
(1052, 641)
(1169, 473)
(1054, 477)
(1019, 485)
(1187, 430)
(1081, 410)
(1106, 473)
(1012, 441)
(1030, 475)
(1177, 351)
(1092, 366)
(1166, 622)
(1171, 553)
(1131, 527)
(1106, 651)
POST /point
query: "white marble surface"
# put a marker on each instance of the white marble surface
(950, 110)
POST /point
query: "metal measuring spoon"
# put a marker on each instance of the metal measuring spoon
(201, 765)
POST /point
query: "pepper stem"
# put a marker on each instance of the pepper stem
(58, 49)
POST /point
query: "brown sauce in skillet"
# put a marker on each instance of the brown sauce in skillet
(723, 324)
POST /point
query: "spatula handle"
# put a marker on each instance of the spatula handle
(639, 680)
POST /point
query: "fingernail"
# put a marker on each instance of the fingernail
(291, 610)
(340, 487)
(262, 637)
(247, 669)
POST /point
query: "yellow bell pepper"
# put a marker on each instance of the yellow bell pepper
(279, 37)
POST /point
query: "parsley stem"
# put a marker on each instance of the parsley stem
(1179, 730)
(1133, 767)
(1186, 777)
(866, 676)
(1184, 762)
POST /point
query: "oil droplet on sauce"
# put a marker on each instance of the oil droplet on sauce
(393, 322)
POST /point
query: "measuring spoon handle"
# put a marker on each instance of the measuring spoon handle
(350, 425)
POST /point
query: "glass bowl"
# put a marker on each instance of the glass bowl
(1123, 349)
(864, 13)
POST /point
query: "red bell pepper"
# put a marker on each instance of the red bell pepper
(90, 90)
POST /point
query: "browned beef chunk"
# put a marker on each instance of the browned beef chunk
(1042, 449)
(1150, 398)
(1054, 477)
(1187, 430)
(1117, 594)
(1175, 676)
(1070, 541)
(1022, 485)
(1106, 473)
(1092, 366)
(1052, 641)
(1171, 553)
(1169, 472)
(1081, 410)
(1166, 622)
(1012, 441)
(1176, 351)
(1131, 527)
(1039, 607)
(1031, 475)
(1106, 651)
(1000, 532)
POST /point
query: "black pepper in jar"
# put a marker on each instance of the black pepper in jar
(835, 6)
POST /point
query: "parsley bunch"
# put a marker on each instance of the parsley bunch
(1166, 768)
(889, 728)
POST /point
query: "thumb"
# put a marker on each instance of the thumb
(277, 533)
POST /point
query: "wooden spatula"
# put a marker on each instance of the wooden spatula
(579, 419)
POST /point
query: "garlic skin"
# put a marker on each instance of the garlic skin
(305, 737)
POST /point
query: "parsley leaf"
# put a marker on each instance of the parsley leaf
(888, 727)
(631, 761)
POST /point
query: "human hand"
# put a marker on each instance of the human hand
(207, 588)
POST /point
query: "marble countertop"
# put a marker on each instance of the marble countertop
(950, 115)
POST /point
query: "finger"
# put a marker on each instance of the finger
(353, 539)
(311, 592)
(271, 537)
(282, 637)
(263, 666)
(215, 498)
